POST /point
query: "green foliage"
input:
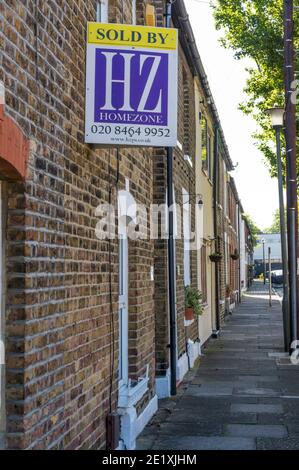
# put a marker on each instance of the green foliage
(193, 299)
(254, 230)
(254, 30)
(275, 227)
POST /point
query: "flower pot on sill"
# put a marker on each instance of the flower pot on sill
(189, 314)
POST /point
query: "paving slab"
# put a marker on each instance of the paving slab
(277, 444)
(293, 430)
(211, 389)
(255, 391)
(256, 430)
(206, 443)
(214, 417)
(257, 408)
(201, 428)
(285, 419)
(257, 378)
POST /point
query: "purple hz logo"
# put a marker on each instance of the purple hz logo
(131, 87)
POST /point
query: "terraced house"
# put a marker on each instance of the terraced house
(84, 320)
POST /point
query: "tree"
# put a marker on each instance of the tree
(254, 29)
(275, 227)
(254, 230)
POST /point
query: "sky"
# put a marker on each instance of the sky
(227, 78)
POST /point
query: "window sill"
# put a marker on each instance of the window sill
(207, 176)
(129, 396)
(188, 322)
(188, 159)
(179, 145)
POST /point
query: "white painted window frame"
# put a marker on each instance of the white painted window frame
(102, 11)
(129, 394)
(134, 12)
(123, 310)
(186, 235)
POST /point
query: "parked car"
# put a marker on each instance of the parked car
(277, 276)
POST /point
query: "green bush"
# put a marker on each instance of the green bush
(193, 299)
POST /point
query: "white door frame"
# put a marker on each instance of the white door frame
(123, 312)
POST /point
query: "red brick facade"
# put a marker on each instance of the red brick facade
(63, 281)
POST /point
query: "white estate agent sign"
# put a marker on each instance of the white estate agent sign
(131, 85)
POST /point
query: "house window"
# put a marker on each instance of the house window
(186, 234)
(204, 135)
(186, 120)
(133, 11)
(206, 148)
(203, 260)
(210, 157)
(221, 183)
(102, 11)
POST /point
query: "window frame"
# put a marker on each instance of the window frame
(186, 237)
(102, 11)
(134, 12)
(203, 274)
(204, 142)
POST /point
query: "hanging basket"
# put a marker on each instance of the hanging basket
(235, 255)
(215, 257)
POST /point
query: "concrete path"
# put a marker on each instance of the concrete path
(243, 395)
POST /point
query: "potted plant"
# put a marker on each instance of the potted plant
(215, 257)
(235, 255)
(193, 305)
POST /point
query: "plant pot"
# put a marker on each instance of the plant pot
(189, 314)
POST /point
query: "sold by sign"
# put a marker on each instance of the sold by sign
(131, 85)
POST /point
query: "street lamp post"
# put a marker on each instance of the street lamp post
(264, 261)
(277, 119)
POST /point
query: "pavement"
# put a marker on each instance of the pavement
(243, 394)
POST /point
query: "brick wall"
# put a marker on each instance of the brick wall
(59, 309)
